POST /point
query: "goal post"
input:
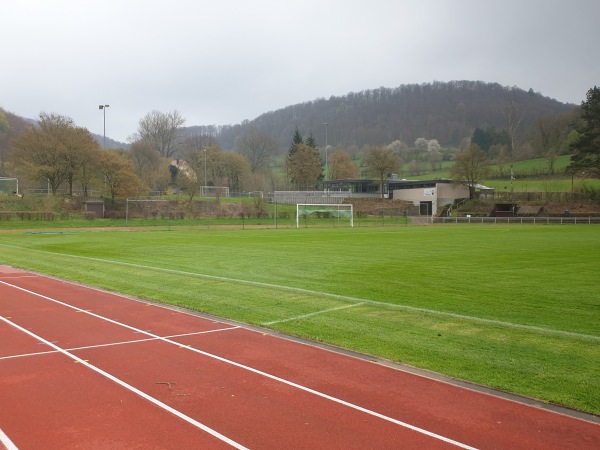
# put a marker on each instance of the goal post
(335, 210)
(148, 209)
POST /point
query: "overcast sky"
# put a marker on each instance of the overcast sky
(220, 62)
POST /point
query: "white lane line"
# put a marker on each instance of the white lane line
(117, 343)
(130, 387)
(256, 371)
(6, 442)
(316, 313)
(328, 295)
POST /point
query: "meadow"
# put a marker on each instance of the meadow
(512, 307)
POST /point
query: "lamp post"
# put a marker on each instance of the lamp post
(103, 108)
(326, 168)
(204, 171)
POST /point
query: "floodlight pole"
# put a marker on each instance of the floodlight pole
(204, 172)
(103, 108)
(326, 168)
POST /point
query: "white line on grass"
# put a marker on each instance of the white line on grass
(329, 295)
(115, 343)
(129, 387)
(316, 313)
(218, 358)
(5, 440)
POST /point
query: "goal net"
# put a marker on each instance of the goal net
(324, 213)
(215, 191)
(149, 209)
(9, 186)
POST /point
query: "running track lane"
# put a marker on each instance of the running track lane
(181, 381)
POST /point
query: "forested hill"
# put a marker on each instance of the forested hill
(446, 111)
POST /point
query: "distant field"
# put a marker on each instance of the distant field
(511, 307)
(525, 178)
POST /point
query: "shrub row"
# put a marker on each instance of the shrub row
(27, 215)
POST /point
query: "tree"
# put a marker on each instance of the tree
(341, 165)
(586, 147)
(381, 162)
(147, 164)
(4, 133)
(258, 148)
(514, 116)
(160, 130)
(80, 151)
(421, 145)
(236, 170)
(304, 166)
(119, 175)
(296, 140)
(56, 150)
(550, 137)
(470, 166)
(490, 137)
(433, 146)
(311, 141)
(435, 159)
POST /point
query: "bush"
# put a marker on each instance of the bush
(589, 192)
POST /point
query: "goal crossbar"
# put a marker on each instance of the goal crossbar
(338, 209)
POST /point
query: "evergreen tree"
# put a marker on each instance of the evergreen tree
(296, 141)
(586, 147)
(310, 141)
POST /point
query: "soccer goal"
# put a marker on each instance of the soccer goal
(322, 213)
(9, 186)
(215, 191)
(149, 209)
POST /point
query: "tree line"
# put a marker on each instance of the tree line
(164, 154)
(576, 133)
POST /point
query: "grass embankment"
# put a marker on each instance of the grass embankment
(514, 307)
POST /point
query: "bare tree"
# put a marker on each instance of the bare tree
(147, 164)
(257, 147)
(160, 130)
(341, 165)
(470, 166)
(381, 162)
(514, 116)
(549, 136)
(236, 170)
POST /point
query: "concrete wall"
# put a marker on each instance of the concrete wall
(442, 194)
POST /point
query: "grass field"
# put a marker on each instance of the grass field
(511, 307)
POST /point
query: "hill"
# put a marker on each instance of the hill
(446, 111)
(11, 125)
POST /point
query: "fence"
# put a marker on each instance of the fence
(518, 220)
(549, 197)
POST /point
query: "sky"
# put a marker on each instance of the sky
(222, 62)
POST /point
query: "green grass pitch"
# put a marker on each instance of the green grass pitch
(511, 307)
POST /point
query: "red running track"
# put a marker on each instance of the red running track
(82, 368)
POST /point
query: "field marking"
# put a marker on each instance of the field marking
(71, 349)
(129, 387)
(224, 360)
(6, 442)
(329, 295)
(316, 313)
